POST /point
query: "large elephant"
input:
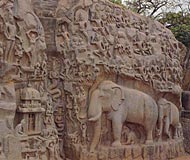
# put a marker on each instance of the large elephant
(122, 104)
(168, 115)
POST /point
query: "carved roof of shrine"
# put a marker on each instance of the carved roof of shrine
(30, 93)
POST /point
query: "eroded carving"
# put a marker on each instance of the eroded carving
(168, 116)
(48, 94)
(115, 100)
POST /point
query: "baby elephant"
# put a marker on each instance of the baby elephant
(168, 115)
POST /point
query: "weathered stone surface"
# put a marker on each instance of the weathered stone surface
(185, 123)
(87, 79)
(12, 147)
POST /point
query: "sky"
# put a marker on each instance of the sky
(183, 3)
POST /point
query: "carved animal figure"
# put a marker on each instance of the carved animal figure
(168, 115)
(128, 134)
(122, 104)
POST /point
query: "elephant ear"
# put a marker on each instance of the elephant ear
(117, 98)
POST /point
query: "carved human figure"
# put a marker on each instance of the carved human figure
(52, 151)
(168, 116)
(19, 130)
(96, 14)
(3, 2)
(37, 70)
(69, 107)
(29, 31)
(82, 21)
(32, 36)
(129, 135)
(122, 105)
(81, 101)
(10, 33)
(53, 90)
(59, 119)
(50, 137)
(100, 51)
(19, 52)
(66, 38)
(49, 122)
(83, 127)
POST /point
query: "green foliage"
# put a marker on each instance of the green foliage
(117, 1)
(150, 8)
(179, 24)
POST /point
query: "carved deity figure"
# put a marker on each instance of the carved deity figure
(53, 151)
(19, 130)
(10, 33)
(66, 38)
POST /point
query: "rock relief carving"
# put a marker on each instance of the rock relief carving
(117, 103)
(25, 100)
(93, 40)
(135, 117)
(97, 41)
(168, 115)
(107, 36)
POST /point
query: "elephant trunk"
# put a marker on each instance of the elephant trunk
(96, 136)
(94, 115)
(95, 109)
(95, 118)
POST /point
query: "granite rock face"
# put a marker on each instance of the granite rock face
(87, 79)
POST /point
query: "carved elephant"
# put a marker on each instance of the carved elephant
(122, 104)
(168, 114)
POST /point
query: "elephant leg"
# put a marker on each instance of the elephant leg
(179, 131)
(96, 136)
(117, 127)
(149, 138)
(175, 132)
(160, 123)
(166, 127)
(149, 130)
(160, 129)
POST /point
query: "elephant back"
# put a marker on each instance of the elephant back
(141, 106)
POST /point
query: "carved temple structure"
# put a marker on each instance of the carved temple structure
(88, 80)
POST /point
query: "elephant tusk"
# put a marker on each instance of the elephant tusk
(95, 118)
